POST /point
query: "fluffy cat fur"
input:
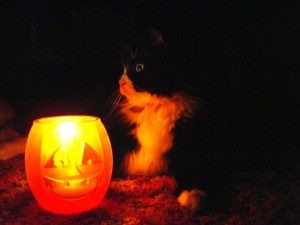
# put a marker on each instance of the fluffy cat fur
(152, 105)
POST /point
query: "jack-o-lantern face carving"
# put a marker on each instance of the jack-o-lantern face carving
(69, 178)
(68, 163)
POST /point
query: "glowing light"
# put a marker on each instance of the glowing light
(68, 163)
(66, 130)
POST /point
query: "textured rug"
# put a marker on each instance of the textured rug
(256, 197)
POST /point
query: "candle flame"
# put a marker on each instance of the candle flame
(66, 130)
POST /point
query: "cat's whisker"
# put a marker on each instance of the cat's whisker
(111, 105)
(110, 102)
(114, 107)
(138, 88)
(137, 48)
(111, 98)
(116, 103)
(107, 107)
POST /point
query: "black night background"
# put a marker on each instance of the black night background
(59, 57)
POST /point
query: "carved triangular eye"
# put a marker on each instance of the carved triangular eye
(139, 67)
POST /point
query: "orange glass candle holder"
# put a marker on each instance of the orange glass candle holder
(68, 162)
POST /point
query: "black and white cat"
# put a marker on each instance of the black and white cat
(154, 102)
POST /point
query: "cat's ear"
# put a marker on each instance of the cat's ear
(151, 42)
(156, 37)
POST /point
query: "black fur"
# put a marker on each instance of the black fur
(152, 66)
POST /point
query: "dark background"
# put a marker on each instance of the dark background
(59, 57)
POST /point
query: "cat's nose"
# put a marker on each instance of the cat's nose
(122, 83)
(123, 80)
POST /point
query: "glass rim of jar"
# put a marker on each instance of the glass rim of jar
(66, 118)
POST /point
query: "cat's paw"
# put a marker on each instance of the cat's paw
(193, 199)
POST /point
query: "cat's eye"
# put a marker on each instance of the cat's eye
(139, 67)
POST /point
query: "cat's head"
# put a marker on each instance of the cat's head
(150, 68)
